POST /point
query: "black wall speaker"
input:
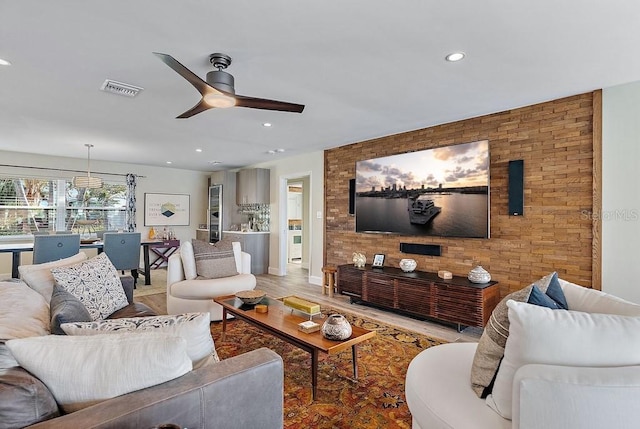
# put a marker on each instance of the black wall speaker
(352, 196)
(421, 249)
(516, 187)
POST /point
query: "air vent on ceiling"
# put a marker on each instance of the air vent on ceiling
(120, 88)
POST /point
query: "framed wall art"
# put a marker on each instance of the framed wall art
(166, 209)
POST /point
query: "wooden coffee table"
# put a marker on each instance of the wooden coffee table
(281, 322)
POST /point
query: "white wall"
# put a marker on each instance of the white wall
(620, 191)
(311, 164)
(156, 180)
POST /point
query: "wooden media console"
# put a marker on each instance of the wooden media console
(420, 294)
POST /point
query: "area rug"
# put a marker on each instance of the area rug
(375, 400)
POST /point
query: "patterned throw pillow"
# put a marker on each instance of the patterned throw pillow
(494, 337)
(216, 260)
(193, 327)
(95, 283)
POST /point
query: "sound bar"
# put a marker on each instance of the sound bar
(516, 188)
(421, 249)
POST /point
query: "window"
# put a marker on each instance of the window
(28, 205)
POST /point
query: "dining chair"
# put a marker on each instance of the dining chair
(100, 233)
(47, 248)
(123, 249)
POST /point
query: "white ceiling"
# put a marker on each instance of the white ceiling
(363, 69)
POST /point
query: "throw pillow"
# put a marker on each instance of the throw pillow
(582, 298)
(491, 345)
(214, 260)
(188, 260)
(23, 312)
(24, 400)
(567, 338)
(65, 308)
(81, 371)
(95, 283)
(39, 278)
(193, 327)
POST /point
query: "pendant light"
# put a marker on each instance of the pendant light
(87, 181)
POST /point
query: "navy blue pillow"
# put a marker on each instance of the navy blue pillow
(554, 291)
(538, 297)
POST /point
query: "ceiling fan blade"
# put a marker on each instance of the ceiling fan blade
(200, 107)
(199, 84)
(261, 103)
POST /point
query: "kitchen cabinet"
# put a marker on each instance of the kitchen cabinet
(294, 250)
(294, 205)
(252, 186)
(254, 243)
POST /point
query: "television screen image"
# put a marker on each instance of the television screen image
(439, 192)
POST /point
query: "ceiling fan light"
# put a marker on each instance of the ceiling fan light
(219, 100)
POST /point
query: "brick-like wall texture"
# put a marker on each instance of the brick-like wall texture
(555, 234)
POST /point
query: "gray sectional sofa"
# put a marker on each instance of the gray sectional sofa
(240, 392)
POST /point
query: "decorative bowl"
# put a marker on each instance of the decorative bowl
(251, 297)
(479, 275)
(336, 327)
(408, 265)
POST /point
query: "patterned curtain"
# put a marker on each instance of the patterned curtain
(131, 202)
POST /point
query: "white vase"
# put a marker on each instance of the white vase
(479, 275)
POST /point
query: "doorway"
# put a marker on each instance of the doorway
(296, 226)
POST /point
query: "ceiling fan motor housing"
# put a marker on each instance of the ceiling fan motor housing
(222, 81)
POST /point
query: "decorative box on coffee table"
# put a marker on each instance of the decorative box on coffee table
(420, 293)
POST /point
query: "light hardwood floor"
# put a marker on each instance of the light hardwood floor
(296, 283)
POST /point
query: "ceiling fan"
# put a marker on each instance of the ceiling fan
(218, 90)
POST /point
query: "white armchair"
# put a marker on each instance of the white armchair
(593, 382)
(197, 294)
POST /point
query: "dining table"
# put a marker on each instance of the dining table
(18, 248)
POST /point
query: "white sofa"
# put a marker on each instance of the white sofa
(196, 294)
(547, 394)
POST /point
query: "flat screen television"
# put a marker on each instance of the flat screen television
(441, 192)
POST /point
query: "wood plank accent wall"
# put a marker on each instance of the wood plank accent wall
(556, 141)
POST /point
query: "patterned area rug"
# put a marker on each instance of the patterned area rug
(375, 400)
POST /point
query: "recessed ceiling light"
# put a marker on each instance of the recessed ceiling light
(169, 162)
(4, 62)
(215, 162)
(198, 150)
(279, 150)
(266, 124)
(455, 56)
(271, 152)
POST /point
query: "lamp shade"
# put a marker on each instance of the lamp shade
(87, 182)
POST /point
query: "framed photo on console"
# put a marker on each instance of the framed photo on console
(378, 260)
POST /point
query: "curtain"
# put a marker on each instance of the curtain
(131, 202)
